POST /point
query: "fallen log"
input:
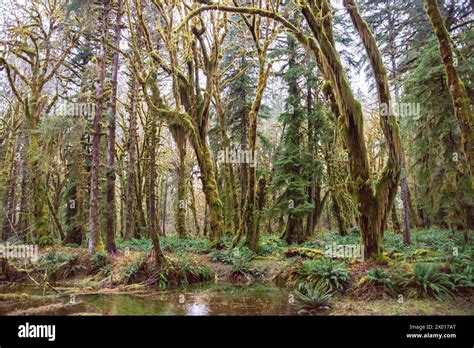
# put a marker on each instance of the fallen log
(53, 309)
(15, 301)
(306, 253)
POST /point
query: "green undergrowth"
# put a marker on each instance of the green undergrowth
(175, 273)
(436, 265)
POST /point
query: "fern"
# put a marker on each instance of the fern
(430, 281)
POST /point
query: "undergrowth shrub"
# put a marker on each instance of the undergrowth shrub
(197, 245)
(63, 265)
(461, 269)
(380, 279)
(325, 273)
(99, 261)
(231, 256)
(175, 273)
(135, 244)
(182, 273)
(428, 280)
(272, 245)
(312, 299)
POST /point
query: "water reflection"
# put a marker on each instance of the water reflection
(213, 299)
(197, 309)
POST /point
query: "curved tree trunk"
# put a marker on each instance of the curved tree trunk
(461, 102)
(374, 205)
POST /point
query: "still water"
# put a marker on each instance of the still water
(210, 299)
(203, 299)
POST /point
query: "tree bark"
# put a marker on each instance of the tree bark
(180, 138)
(461, 102)
(311, 142)
(110, 212)
(153, 227)
(395, 221)
(193, 205)
(130, 223)
(165, 200)
(374, 206)
(95, 238)
(250, 213)
(8, 214)
(23, 219)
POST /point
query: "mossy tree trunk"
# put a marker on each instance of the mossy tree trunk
(193, 205)
(110, 209)
(165, 203)
(395, 220)
(250, 211)
(231, 203)
(462, 106)
(374, 204)
(249, 223)
(405, 198)
(36, 179)
(312, 141)
(180, 138)
(73, 195)
(95, 238)
(153, 227)
(130, 195)
(24, 216)
(39, 64)
(9, 195)
(189, 96)
(374, 195)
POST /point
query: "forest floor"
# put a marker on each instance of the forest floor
(433, 276)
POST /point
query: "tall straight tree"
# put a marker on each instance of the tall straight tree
(110, 212)
(95, 238)
(290, 173)
(130, 223)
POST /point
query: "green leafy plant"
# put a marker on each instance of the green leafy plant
(428, 280)
(135, 244)
(221, 256)
(462, 269)
(381, 279)
(272, 245)
(312, 299)
(197, 245)
(330, 274)
(99, 261)
(62, 265)
(183, 272)
(137, 271)
(231, 256)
